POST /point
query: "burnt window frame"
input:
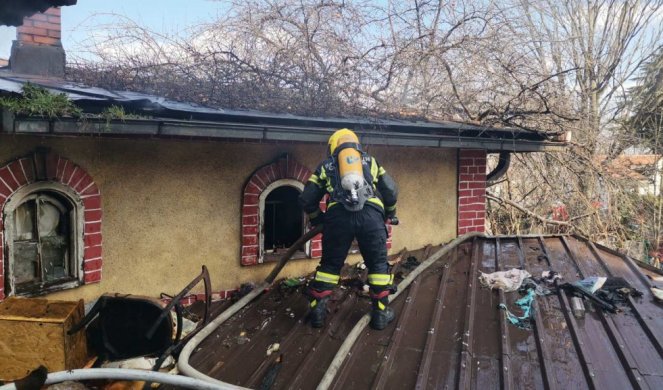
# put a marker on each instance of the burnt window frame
(262, 255)
(60, 193)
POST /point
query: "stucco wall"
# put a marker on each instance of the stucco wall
(170, 206)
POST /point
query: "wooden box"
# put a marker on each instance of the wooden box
(33, 331)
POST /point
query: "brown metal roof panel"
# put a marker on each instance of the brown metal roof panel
(449, 332)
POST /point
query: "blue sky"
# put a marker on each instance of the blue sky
(157, 15)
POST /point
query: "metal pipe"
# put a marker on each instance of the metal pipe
(354, 334)
(131, 375)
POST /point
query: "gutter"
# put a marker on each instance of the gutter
(262, 132)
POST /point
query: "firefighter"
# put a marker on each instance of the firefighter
(362, 197)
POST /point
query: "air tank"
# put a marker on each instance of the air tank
(350, 169)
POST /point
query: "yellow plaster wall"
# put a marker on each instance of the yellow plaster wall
(171, 206)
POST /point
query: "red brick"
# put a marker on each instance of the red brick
(249, 260)
(46, 40)
(316, 253)
(464, 223)
(475, 207)
(93, 277)
(17, 172)
(252, 189)
(28, 169)
(65, 173)
(55, 34)
(94, 227)
(316, 245)
(479, 192)
(250, 240)
(5, 191)
(291, 170)
(248, 230)
(463, 186)
(249, 210)
(472, 153)
(7, 177)
(93, 202)
(2, 292)
(466, 215)
(466, 162)
(388, 245)
(46, 25)
(83, 183)
(92, 252)
(304, 175)
(251, 250)
(92, 265)
(54, 166)
(24, 37)
(282, 168)
(76, 177)
(92, 239)
(465, 193)
(34, 31)
(478, 222)
(249, 220)
(93, 215)
(54, 19)
(91, 190)
(472, 177)
(477, 185)
(251, 199)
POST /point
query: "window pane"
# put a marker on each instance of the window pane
(54, 257)
(49, 219)
(24, 225)
(25, 262)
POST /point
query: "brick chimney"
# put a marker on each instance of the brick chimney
(37, 49)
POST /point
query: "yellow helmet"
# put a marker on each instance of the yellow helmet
(340, 137)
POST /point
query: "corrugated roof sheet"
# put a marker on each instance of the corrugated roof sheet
(449, 332)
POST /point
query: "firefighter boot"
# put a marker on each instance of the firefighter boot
(381, 314)
(318, 306)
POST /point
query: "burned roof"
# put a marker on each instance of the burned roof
(167, 118)
(12, 12)
(449, 332)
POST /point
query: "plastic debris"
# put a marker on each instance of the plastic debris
(525, 304)
(273, 348)
(658, 293)
(506, 280)
(550, 276)
(293, 282)
(592, 283)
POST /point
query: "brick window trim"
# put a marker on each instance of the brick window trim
(22, 173)
(266, 178)
(471, 191)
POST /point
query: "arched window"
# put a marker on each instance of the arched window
(271, 217)
(282, 219)
(43, 228)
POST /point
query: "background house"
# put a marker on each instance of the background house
(99, 204)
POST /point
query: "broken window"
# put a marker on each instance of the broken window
(283, 221)
(40, 237)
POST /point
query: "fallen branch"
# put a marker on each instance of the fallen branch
(544, 220)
